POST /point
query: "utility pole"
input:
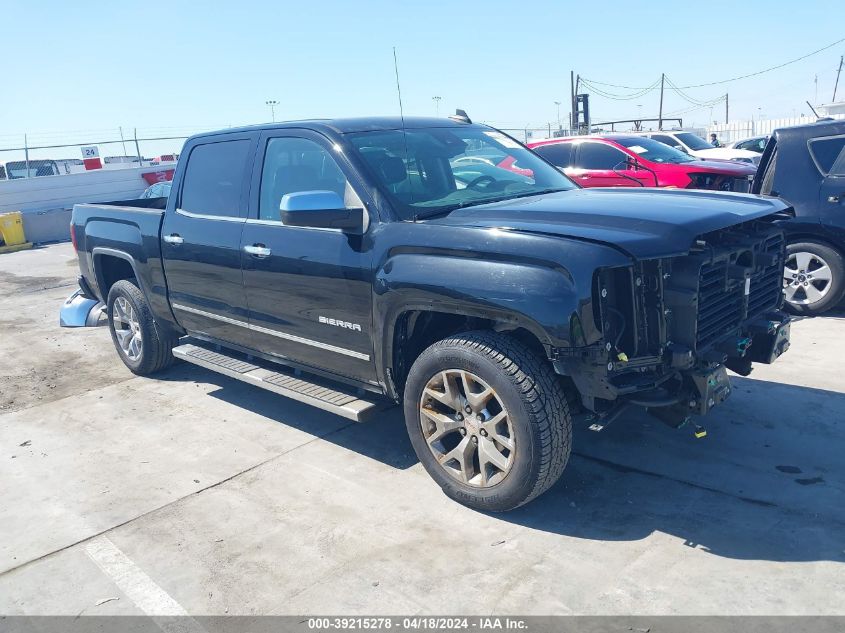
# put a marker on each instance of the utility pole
(660, 116)
(436, 105)
(272, 103)
(836, 85)
(122, 142)
(573, 109)
(726, 108)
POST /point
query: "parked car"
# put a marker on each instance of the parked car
(805, 165)
(158, 190)
(636, 161)
(340, 264)
(694, 145)
(753, 144)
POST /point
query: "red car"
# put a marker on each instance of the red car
(638, 161)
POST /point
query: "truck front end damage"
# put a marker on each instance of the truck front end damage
(671, 327)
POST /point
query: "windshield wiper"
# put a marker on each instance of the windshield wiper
(511, 196)
(475, 203)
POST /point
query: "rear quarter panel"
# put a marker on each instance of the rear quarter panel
(127, 232)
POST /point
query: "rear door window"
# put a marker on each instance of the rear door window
(668, 140)
(599, 156)
(214, 178)
(825, 153)
(558, 154)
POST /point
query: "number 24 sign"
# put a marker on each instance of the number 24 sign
(90, 151)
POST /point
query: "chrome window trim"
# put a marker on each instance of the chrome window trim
(288, 226)
(264, 330)
(203, 216)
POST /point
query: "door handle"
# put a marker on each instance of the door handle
(258, 250)
(173, 238)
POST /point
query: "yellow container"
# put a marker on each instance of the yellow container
(11, 229)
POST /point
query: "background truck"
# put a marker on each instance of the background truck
(348, 263)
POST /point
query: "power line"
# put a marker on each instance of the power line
(725, 81)
(619, 97)
(760, 72)
(693, 100)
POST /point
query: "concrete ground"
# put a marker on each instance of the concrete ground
(191, 492)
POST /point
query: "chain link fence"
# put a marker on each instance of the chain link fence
(45, 154)
(529, 134)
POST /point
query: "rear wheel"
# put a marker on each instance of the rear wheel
(488, 419)
(813, 277)
(141, 347)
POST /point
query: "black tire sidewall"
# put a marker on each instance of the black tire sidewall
(519, 482)
(835, 261)
(132, 294)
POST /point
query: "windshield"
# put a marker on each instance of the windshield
(652, 150)
(692, 141)
(435, 170)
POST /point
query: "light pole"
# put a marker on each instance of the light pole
(436, 105)
(557, 103)
(272, 103)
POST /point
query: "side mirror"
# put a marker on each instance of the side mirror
(681, 148)
(320, 209)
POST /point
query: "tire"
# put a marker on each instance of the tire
(154, 351)
(807, 293)
(533, 440)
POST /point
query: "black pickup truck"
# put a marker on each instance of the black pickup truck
(438, 263)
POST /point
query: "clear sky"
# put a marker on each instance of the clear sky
(94, 65)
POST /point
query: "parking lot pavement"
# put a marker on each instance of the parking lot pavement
(193, 492)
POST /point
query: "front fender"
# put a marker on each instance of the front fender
(539, 299)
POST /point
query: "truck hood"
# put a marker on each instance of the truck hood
(643, 223)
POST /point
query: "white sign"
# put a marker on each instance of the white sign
(90, 151)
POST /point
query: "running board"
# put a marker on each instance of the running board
(281, 381)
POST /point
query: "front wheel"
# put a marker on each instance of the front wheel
(133, 331)
(488, 419)
(813, 277)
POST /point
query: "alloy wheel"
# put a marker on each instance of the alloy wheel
(127, 329)
(806, 278)
(467, 428)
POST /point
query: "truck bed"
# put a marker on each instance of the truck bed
(126, 230)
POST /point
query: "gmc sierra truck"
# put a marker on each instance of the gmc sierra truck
(351, 263)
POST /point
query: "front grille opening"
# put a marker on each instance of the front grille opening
(744, 259)
(736, 286)
(719, 303)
